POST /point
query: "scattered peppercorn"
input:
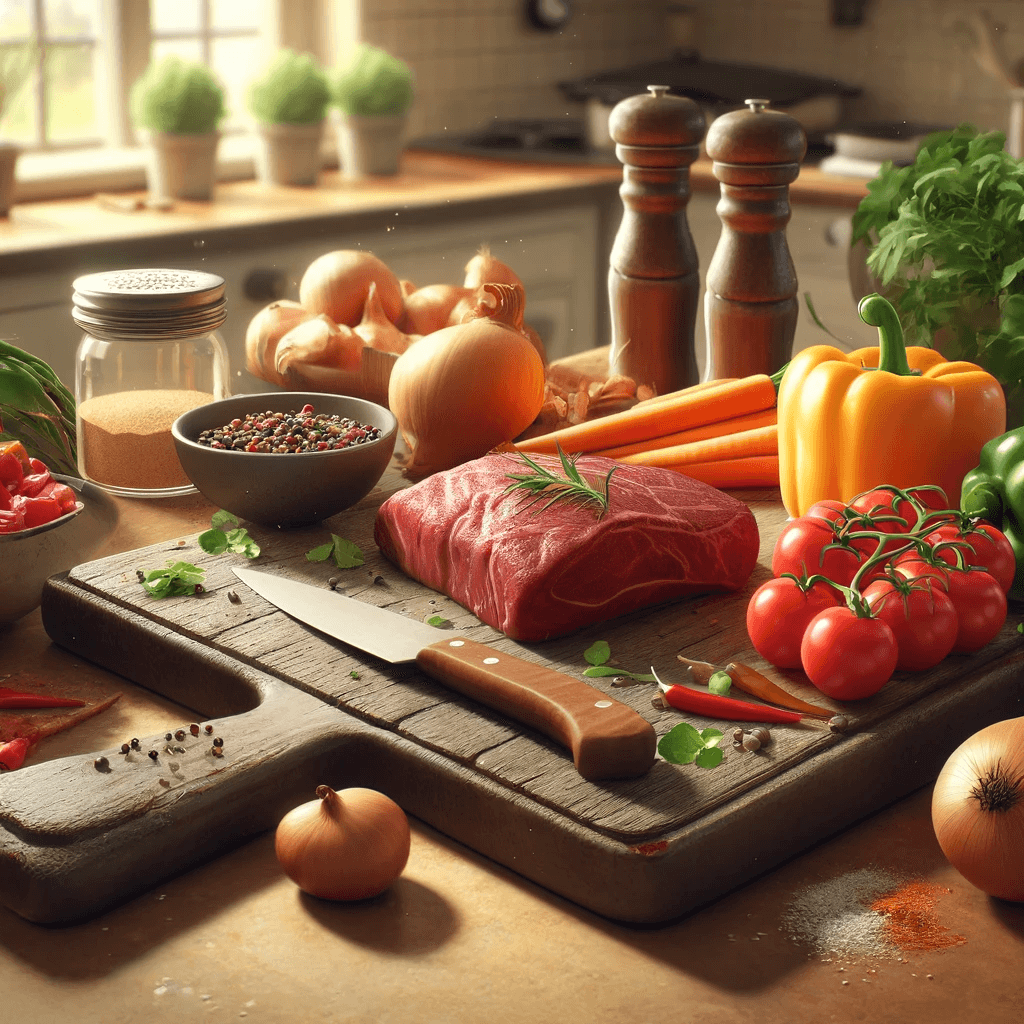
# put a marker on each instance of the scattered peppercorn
(125, 749)
(208, 730)
(168, 737)
(218, 742)
(101, 764)
(291, 432)
(233, 597)
(217, 751)
(179, 735)
(136, 745)
(194, 729)
(153, 755)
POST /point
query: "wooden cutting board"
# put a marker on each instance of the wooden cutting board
(295, 709)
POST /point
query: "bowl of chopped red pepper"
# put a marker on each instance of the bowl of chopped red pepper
(48, 523)
(287, 458)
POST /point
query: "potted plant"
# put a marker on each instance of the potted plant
(944, 243)
(178, 104)
(290, 103)
(16, 66)
(373, 93)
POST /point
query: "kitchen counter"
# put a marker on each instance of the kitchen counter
(461, 939)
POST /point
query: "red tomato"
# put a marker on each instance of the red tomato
(913, 566)
(801, 548)
(882, 505)
(5, 499)
(37, 511)
(983, 545)
(922, 619)
(848, 657)
(778, 614)
(980, 604)
(35, 483)
(829, 509)
(11, 520)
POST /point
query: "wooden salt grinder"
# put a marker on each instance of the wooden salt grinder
(653, 281)
(750, 306)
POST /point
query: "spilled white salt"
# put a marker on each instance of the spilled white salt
(836, 916)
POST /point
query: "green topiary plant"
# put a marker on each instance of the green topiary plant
(178, 97)
(374, 83)
(293, 90)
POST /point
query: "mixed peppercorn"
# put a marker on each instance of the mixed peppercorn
(292, 432)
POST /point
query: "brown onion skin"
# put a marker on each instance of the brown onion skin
(429, 308)
(345, 845)
(985, 846)
(337, 284)
(265, 331)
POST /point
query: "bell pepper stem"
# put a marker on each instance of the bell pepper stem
(983, 501)
(877, 311)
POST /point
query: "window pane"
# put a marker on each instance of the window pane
(15, 19)
(236, 63)
(70, 93)
(234, 14)
(17, 108)
(63, 18)
(174, 15)
(18, 122)
(188, 49)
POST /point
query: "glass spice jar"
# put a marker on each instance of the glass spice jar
(150, 352)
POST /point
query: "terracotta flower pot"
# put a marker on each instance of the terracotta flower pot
(8, 159)
(369, 145)
(288, 154)
(182, 166)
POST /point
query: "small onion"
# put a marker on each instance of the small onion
(429, 308)
(337, 284)
(377, 331)
(347, 845)
(484, 268)
(978, 809)
(318, 342)
(265, 331)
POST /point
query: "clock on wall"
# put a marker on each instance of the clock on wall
(549, 15)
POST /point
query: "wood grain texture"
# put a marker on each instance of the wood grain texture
(508, 791)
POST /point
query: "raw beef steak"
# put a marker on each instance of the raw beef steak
(540, 574)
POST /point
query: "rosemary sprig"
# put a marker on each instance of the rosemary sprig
(571, 487)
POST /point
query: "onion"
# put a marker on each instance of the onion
(337, 284)
(318, 342)
(265, 331)
(429, 308)
(346, 845)
(377, 331)
(978, 809)
(463, 390)
(484, 268)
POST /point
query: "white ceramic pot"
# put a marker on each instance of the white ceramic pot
(288, 154)
(8, 159)
(182, 166)
(369, 145)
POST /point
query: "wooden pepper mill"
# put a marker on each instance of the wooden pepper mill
(653, 280)
(750, 306)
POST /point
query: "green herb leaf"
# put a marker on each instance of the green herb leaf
(354, 674)
(598, 652)
(321, 553)
(176, 580)
(720, 682)
(218, 540)
(684, 745)
(596, 671)
(437, 620)
(346, 554)
(213, 542)
(570, 487)
(221, 518)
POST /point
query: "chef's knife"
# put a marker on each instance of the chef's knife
(608, 740)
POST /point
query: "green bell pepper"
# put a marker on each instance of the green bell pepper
(994, 491)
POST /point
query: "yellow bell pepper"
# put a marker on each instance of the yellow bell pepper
(888, 415)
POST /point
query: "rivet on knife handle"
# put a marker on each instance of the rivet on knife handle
(608, 739)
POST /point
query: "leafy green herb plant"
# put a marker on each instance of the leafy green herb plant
(293, 90)
(683, 744)
(373, 83)
(178, 579)
(178, 97)
(946, 240)
(598, 653)
(237, 540)
(346, 555)
(37, 409)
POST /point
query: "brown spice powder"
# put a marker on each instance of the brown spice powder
(910, 921)
(126, 437)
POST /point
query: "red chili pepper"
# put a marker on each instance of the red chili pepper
(37, 511)
(714, 705)
(19, 699)
(12, 754)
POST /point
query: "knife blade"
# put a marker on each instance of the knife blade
(608, 739)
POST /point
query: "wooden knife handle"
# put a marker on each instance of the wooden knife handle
(608, 740)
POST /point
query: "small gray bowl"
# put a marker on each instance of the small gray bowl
(284, 489)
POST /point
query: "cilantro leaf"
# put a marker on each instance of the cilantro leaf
(217, 540)
(321, 553)
(345, 553)
(437, 620)
(178, 579)
(598, 653)
(684, 745)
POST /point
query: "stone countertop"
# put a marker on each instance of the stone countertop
(462, 940)
(55, 234)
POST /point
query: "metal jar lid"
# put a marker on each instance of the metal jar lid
(152, 304)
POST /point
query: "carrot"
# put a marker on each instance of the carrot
(747, 443)
(692, 389)
(766, 418)
(753, 471)
(690, 408)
